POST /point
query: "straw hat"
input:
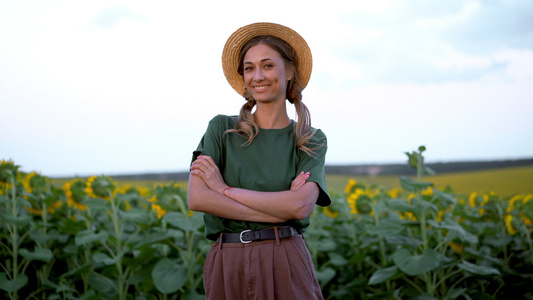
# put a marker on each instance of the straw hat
(234, 44)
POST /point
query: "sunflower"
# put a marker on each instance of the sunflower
(508, 223)
(332, 214)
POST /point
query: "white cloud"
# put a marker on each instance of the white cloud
(463, 13)
(116, 86)
(519, 63)
(460, 61)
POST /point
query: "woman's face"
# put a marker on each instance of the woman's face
(265, 74)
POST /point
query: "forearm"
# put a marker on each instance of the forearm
(201, 198)
(287, 205)
(206, 193)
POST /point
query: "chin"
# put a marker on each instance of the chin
(263, 100)
(260, 98)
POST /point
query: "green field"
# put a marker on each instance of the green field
(78, 240)
(504, 182)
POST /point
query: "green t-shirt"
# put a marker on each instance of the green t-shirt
(268, 164)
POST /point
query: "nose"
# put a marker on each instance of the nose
(258, 75)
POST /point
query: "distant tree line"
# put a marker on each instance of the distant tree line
(439, 168)
(368, 169)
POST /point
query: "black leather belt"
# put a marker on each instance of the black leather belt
(248, 236)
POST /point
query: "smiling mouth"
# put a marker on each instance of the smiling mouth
(260, 88)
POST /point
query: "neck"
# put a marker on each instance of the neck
(271, 116)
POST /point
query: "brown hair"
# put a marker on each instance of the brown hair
(246, 125)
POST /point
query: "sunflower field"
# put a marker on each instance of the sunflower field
(91, 239)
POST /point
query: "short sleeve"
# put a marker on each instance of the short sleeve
(315, 165)
(211, 143)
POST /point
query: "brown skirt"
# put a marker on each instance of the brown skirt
(270, 269)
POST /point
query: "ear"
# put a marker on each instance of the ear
(290, 70)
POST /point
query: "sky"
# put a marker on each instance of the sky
(125, 87)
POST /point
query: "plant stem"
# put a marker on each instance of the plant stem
(529, 242)
(381, 248)
(423, 228)
(14, 235)
(429, 283)
(442, 280)
(118, 263)
(413, 284)
(419, 166)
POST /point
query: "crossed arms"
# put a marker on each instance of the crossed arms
(209, 193)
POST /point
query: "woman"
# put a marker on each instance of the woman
(258, 176)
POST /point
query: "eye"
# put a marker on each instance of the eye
(268, 66)
(248, 69)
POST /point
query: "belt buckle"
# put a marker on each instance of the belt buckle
(240, 236)
(293, 231)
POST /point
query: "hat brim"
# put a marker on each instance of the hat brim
(234, 44)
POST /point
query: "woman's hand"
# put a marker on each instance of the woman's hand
(299, 181)
(296, 203)
(205, 168)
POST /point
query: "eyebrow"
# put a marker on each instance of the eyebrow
(263, 60)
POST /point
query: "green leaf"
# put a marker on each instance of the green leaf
(422, 206)
(337, 259)
(478, 254)
(40, 237)
(385, 228)
(89, 236)
(61, 287)
(139, 276)
(412, 185)
(12, 286)
(486, 296)
(90, 295)
(425, 297)
(168, 276)
(454, 294)
(191, 294)
(19, 220)
(380, 208)
(65, 288)
(357, 258)
(416, 264)
(325, 275)
(412, 159)
(97, 204)
(400, 205)
(403, 240)
(86, 268)
(102, 284)
(382, 275)
(497, 241)
(326, 245)
(41, 254)
(176, 234)
(136, 215)
(429, 171)
(47, 282)
(70, 249)
(153, 238)
(477, 269)
(445, 198)
(455, 230)
(183, 222)
(100, 257)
